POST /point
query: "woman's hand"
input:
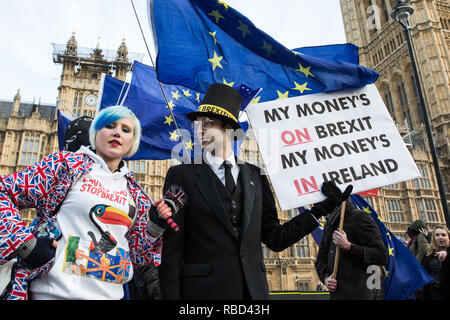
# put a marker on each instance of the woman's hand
(441, 255)
(424, 231)
(37, 252)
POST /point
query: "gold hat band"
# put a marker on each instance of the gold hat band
(215, 109)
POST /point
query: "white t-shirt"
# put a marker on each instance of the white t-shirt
(92, 258)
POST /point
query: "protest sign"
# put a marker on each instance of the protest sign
(347, 137)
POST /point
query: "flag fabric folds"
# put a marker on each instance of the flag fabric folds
(347, 52)
(63, 122)
(144, 97)
(113, 92)
(200, 42)
(405, 275)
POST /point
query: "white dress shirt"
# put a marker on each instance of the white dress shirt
(215, 164)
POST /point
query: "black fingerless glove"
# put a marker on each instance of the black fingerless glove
(36, 252)
(159, 224)
(175, 198)
(335, 197)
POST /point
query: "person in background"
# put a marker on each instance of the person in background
(360, 246)
(94, 223)
(433, 262)
(420, 241)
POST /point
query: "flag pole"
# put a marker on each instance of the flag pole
(160, 85)
(64, 105)
(341, 226)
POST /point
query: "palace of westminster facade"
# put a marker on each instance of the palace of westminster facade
(28, 130)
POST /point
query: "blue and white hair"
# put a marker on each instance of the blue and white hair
(110, 115)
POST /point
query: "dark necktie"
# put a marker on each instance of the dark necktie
(229, 181)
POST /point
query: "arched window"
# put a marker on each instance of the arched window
(387, 97)
(404, 105)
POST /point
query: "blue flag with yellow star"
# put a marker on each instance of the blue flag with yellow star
(200, 42)
(159, 133)
(112, 92)
(405, 275)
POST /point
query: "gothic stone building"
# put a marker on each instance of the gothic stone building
(28, 130)
(382, 47)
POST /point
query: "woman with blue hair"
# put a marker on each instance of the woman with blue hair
(94, 222)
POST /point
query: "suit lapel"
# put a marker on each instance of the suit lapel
(248, 181)
(208, 190)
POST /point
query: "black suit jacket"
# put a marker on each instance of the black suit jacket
(205, 259)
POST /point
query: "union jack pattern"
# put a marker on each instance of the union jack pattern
(44, 186)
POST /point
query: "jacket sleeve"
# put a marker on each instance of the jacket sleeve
(371, 242)
(144, 248)
(173, 248)
(27, 188)
(422, 247)
(278, 236)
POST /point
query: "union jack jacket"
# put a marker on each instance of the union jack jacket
(44, 186)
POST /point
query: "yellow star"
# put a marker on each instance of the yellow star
(216, 14)
(389, 235)
(216, 61)
(198, 97)
(296, 53)
(213, 34)
(267, 47)
(174, 135)
(170, 105)
(189, 145)
(186, 93)
(243, 28)
(367, 209)
(305, 71)
(255, 100)
(391, 251)
(176, 95)
(282, 95)
(168, 120)
(224, 4)
(230, 84)
(301, 88)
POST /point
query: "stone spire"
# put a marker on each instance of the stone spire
(97, 53)
(72, 44)
(16, 103)
(122, 52)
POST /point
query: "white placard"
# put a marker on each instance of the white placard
(347, 137)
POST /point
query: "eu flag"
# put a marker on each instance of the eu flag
(63, 122)
(346, 52)
(145, 98)
(200, 42)
(405, 275)
(113, 92)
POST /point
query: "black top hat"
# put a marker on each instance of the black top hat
(220, 101)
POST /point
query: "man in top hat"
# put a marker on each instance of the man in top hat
(217, 253)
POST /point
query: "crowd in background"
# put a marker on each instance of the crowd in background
(431, 250)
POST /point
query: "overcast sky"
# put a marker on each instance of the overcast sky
(29, 27)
